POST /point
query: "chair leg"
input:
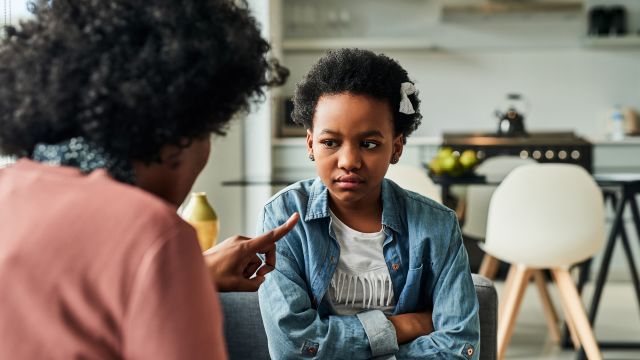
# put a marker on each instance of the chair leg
(573, 333)
(573, 303)
(512, 301)
(507, 287)
(489, 266)
(547, 305)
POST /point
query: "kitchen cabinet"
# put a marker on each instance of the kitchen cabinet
(427, 25)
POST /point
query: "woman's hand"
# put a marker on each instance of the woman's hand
(232, 262)
(411, 326)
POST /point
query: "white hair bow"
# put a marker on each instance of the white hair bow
(406, 89)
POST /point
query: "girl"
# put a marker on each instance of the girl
(371, 270)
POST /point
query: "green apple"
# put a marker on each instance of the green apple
(445, 152)
(468, 159)
(435, 166)
(451, 165)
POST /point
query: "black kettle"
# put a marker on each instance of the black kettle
(511, 122)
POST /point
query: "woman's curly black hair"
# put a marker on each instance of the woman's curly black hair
(359, 72)
(130, 76)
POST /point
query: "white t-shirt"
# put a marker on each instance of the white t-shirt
(361, 280)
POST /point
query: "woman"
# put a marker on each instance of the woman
(110, 105)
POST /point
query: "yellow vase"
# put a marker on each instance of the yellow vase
(199, 213)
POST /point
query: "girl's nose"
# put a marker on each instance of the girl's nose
(349, 158)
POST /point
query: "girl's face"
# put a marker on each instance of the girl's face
(353, 143)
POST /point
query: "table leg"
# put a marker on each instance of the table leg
(444, 192)
(584, 271)
(604, 266)
(636, 220)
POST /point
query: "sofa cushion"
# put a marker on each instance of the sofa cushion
(246, 338)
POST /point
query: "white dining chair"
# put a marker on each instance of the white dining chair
(545, 216)
(414, 179)
(495, 169)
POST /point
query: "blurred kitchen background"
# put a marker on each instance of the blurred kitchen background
(575, 70)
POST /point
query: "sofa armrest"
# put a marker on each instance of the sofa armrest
(488, 299)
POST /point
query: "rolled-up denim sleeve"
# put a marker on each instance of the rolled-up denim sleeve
(455, 311)
(294, 328)
(380, 332)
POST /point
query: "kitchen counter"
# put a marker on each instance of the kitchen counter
(290, 156)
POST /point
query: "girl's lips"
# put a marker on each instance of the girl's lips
(349, 182)
(349, 178)
(349, 185)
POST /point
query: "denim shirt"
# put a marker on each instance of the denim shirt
(426, 260)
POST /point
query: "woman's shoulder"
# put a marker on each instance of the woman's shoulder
(129, 204)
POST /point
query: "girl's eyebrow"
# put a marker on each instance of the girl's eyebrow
(362, 134)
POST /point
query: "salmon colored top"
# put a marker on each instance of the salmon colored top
(91, 268)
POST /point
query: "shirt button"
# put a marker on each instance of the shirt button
(333, 259)
(395, 267)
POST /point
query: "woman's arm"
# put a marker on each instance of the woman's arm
(455, 310)
(234, 265)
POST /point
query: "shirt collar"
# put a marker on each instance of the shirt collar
(318, 204)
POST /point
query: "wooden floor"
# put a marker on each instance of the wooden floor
(618, 319)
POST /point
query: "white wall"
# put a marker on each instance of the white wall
(567, 88)
(225, 163)
(13, 11)
(477, 59)
(245, 153)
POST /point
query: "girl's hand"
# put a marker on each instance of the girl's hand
(411, 326)
(233, 262)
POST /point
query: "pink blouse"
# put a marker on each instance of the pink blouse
(94, 269)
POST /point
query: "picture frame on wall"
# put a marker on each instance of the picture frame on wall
(285, 125)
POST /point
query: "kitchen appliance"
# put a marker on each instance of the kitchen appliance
(545, 147)
(511, 122)
(608, 21)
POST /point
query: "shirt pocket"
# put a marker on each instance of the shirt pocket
(410, 297)
(414, 276)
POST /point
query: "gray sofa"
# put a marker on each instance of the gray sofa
(246, 338)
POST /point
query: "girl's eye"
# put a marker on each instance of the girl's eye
(369, 145)
(329, 143)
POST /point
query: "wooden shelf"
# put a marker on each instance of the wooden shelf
(315, 44)
(612, 41)
(493, 7)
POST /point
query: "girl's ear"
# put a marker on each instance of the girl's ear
(398, 145)
(309, 142)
